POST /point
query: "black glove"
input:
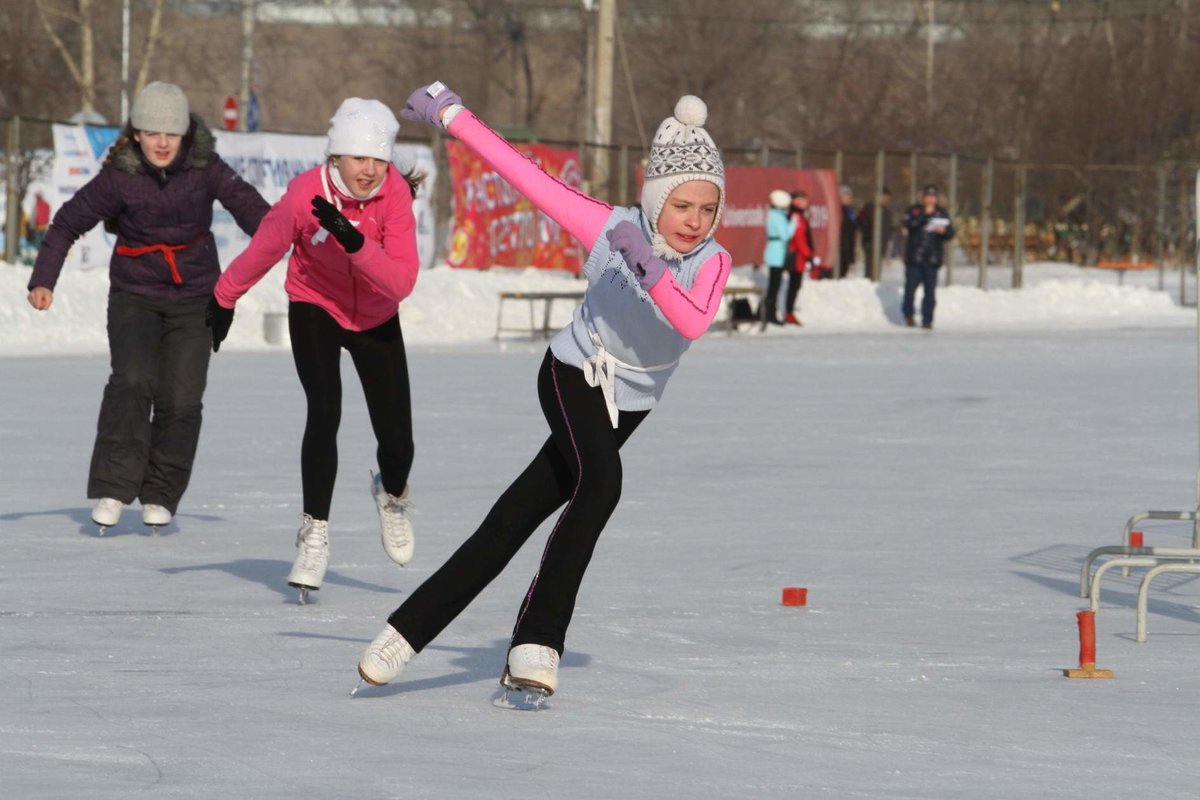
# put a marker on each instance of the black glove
(336, 223)
(219, 319)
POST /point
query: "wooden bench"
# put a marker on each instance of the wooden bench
(547, 299)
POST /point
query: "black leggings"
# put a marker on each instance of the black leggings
(378, 355)
(578, 465)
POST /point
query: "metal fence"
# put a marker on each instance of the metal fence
(1128, 216)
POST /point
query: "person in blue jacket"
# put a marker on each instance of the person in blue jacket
(779, 230)
(929, 228)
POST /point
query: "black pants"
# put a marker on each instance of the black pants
(775, 281)
(579, 465)
(378, 355)
(150, 415)
(925, 276)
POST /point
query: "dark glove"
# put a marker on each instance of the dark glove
(219, 318)
(338, 226)
(426, 104)
(628, 240)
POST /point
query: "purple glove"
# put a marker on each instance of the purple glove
(426, 104)
(628, 240)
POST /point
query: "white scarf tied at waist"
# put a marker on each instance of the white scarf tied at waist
(600, 369)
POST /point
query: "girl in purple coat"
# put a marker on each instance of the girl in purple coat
(155, 192)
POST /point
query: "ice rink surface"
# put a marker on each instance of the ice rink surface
(934, 493)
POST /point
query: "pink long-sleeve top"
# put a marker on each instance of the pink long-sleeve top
(359, 290)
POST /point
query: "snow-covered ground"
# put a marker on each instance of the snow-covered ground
(934, 493)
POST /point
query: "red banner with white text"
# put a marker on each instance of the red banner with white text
(743, 224)
(494, 225)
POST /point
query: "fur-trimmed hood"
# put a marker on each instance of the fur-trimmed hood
(196, 151)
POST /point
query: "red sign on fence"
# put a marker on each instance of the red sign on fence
(743, 224)
(494, 225)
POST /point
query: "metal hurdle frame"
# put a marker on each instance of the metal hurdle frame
(1157, 559)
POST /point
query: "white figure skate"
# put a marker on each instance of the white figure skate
(107, 512)
(384, 659)
(309, 570)
(395, 527)
(530, 676)
(155, 516)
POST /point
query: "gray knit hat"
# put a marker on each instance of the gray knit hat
(682, 151)
(160, 108)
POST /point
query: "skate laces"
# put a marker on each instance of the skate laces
(391, 650)
(313, 537)
(394, 512)
(540, 657)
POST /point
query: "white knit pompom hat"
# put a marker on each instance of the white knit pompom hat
(362, 128)
(779, 198)
(160, 108)
(682, 151)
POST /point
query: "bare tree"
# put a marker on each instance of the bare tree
(82, 64)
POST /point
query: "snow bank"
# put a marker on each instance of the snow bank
(461, 306)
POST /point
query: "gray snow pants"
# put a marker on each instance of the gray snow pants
(149, 421)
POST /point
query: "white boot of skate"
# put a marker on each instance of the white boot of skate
(107, 512)
(531, 675)
(155, 515)
(384, 659)
(309, 570)
(395, 527)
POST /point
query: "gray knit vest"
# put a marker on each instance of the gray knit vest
(631, 326)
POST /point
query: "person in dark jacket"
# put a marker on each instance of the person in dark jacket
(849, 231)
(929, 228)
(155, 192)
(866, 221)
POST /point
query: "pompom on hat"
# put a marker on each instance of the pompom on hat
(160, 108)
(682, 151)
(361, 127)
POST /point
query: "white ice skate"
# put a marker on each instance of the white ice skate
(530, 676)
(155, 516)
(384, 659)
(107, 512)
(395, 527)
(309, 570)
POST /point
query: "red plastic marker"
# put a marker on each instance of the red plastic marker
(795, 596)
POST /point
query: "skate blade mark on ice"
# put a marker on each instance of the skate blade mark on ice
(521, 695)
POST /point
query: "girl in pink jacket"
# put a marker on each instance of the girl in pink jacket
(655, 278)
(350, 225)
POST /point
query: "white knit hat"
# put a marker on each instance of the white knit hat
(682, 151)
(362, 128)
(160, 108)
(779, 198)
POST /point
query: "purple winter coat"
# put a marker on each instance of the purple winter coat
(147, 206)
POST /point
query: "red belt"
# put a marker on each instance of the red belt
(168, 251)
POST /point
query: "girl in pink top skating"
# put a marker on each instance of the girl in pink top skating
(352, 232)
(655, 278)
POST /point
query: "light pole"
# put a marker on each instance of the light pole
(124, 61)
(247, 60)
(603, 89)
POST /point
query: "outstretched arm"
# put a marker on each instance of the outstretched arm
(275, 234)
(582, 216)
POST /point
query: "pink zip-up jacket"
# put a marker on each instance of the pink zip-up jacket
(359, 290)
